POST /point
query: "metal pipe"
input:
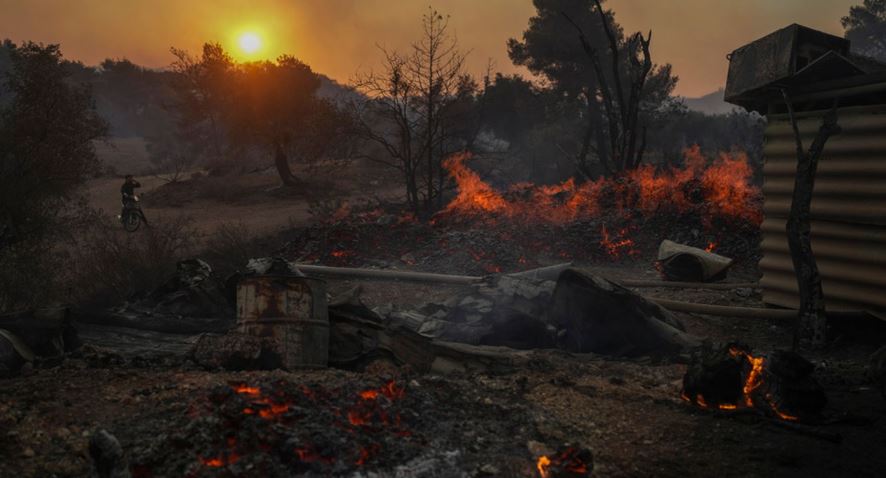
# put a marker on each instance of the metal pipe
(744, 312)
(354, 273)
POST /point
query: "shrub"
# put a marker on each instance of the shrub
(112, 265)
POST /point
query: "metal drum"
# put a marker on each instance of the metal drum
(289, 310)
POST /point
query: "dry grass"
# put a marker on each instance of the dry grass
(111, 265)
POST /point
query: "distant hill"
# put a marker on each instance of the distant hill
(711, 104)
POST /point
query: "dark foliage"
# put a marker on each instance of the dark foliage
(47, 128)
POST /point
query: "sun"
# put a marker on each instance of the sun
(250, 43)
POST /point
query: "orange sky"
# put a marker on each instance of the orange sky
(338, 37)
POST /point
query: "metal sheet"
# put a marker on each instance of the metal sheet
(848, 210)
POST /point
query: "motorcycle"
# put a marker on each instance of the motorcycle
(132, 216)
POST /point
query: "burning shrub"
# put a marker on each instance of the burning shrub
(721, 190)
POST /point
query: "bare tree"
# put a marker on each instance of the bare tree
(406, 107)
(811, 318)
(622, 91)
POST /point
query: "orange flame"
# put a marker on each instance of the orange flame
(753, 381)
(542, 464)
(246, 390)
(722, 188)
(615, 247)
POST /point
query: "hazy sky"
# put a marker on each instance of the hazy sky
(338, 37)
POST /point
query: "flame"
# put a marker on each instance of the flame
(568, 460)
(246, 390)
(711, 247)
(542, 464)
(752, 382)
(720, 188)
(615, 247)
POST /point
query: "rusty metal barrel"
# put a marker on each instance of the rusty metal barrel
(291, 312)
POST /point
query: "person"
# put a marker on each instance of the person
(127, 191)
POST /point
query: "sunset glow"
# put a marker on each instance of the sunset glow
(250, 43)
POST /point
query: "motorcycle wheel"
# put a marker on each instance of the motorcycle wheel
(131, 221)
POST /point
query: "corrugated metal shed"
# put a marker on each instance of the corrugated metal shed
(848, 208)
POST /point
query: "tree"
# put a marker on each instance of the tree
(408, 107)
(866, 28)
(277, 108)
(224, 107)
(811, 316)
(613, 78)
(47, 129)
(203, 94)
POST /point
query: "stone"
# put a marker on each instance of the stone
(107, 456)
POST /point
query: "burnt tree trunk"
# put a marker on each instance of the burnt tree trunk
(811, 317)
(281, 162)
(622, 109)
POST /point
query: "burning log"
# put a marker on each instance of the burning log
(731, 378)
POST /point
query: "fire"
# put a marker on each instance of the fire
(721, 189)
(543, 463)
(615, 247)
(752, 383)
(373, 411)
(246, 390)
(711, 247)
(568, 461)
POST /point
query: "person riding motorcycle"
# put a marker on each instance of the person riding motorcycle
(127, 191)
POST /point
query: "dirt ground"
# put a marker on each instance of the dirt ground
(253, 199)
(628, 412)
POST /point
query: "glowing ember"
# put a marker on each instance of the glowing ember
(753, 380)
(569, 461)
(245, 390)
(618, 245)
(711, 247)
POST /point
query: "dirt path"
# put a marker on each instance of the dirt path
(250, 199)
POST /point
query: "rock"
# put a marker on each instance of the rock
(489, 470)
(386, 220)
(680, 262)
(408, 259)
(107, 456)
(14, 354)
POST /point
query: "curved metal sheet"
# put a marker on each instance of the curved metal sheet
(848, 210)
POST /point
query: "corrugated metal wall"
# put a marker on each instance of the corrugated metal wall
(848, 210)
